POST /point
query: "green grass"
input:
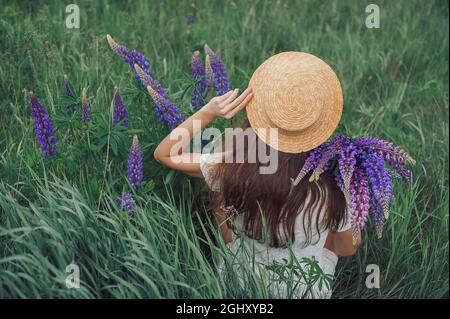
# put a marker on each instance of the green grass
(53, 212)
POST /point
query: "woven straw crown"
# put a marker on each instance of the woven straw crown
(299, 94)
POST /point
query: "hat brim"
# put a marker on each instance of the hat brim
(295, 141)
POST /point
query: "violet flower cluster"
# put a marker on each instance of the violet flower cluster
(147, 80)
(218, 75)
(198, 75)
(43, 127)
(134, 167)
(361, 174)
(211, 74)
(70, 108)
(127, 203)
(135, 176)
(131, 57)
(120, 111)
(166, 112)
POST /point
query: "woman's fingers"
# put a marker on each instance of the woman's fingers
(231, 97)
(230, 103)
(237, 102)
(225, 96)
(240, 106)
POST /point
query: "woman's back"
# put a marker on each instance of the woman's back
(306, 236)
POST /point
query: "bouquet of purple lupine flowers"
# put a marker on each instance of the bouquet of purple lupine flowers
(361, 174)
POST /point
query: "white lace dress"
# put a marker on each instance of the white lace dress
(251, 252)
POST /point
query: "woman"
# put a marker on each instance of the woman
(294, 105)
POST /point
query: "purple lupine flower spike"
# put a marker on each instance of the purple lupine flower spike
(340, 183)
(120, 111)
(198, 75)
(85, 118)
(403, 172)
(131, 57)
(67, 89)
(43, 127)
(127, 203)
(347, 164)
(328, 154)
(147, 80)
(394, 155)
(209, 77)
(214, 65)
(359, 202)
(166, 111)
(191, 18)
(388, 150)
(310, 163)
(377, 215)
(135, 168)
(373, 165)
(69, 93)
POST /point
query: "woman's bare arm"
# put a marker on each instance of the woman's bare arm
(341, 243)
(170, 152)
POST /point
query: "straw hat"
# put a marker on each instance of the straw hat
(299, 94)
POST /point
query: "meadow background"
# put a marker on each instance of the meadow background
(57, 211)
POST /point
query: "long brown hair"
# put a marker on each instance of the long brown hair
(269, 203)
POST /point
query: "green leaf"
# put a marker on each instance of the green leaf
(114, 147)
(169, 177)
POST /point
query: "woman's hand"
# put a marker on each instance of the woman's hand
(229, 104)
(170, 151)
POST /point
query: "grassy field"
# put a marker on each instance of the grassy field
(57, 211)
